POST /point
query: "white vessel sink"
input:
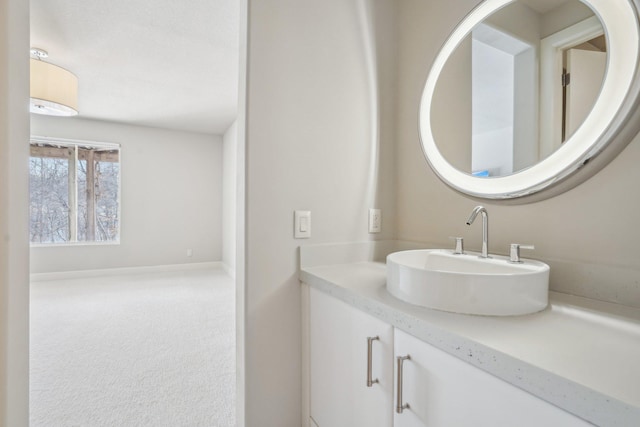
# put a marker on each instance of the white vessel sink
(466, 283)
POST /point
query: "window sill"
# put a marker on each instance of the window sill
(72, 244)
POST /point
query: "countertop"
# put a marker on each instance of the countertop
(579, 354)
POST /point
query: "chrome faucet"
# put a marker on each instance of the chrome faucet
(485, 228)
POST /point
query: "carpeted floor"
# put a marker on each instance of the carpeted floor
(138, 350)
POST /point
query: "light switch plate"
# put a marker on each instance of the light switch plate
(302, 224)
(375, 220)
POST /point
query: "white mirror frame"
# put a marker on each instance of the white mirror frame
(612, 123)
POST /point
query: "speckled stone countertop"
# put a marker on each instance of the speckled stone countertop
(581, 355)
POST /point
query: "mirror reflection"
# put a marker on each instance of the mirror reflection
(518, 86)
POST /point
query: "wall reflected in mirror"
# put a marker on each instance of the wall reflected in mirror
(518, 86)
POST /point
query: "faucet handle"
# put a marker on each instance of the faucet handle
(459, 250)
(514, 253)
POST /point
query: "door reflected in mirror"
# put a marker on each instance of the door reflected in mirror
(518, 86)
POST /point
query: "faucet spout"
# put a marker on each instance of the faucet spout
(485, 228)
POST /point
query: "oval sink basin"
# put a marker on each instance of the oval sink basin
(436, 278)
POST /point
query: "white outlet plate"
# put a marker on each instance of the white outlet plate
(375, 220)
(302, 224)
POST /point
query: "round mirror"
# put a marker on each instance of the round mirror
(525, 96)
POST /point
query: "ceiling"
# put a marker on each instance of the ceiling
(544, 6)
(163, 63)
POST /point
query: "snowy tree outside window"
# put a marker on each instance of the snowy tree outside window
(74, 190)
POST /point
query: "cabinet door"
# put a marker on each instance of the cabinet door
(442, 390)
(338, 366)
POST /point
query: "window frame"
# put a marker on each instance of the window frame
(75, 144)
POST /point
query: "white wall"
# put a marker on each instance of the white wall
(171, 201)
(595, 223)
(492, 82)
(493, 151)
(241, 179)
(525, 147)
(229, 197)
(318, 137)
(524, 24)
(14, 249)
(452, 116)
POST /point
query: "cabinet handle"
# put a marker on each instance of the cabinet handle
(370, 381)
(400, 406)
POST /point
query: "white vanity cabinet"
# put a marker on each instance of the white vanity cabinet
(338, 367)
(440, 389)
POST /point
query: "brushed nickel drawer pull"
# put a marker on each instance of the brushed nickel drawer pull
(370, 381)
(400, 406)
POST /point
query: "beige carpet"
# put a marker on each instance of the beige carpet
(136, 350)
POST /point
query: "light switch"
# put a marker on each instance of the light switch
(302, 224)
(375, 220)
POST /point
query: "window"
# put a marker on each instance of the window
(74, 191)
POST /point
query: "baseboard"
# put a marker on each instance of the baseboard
(78, 274)
(231, 271)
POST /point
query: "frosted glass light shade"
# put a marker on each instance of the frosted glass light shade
(54, 90)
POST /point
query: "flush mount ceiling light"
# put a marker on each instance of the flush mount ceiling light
(54, 90)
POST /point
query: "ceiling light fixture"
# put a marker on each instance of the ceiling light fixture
(54, 90)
